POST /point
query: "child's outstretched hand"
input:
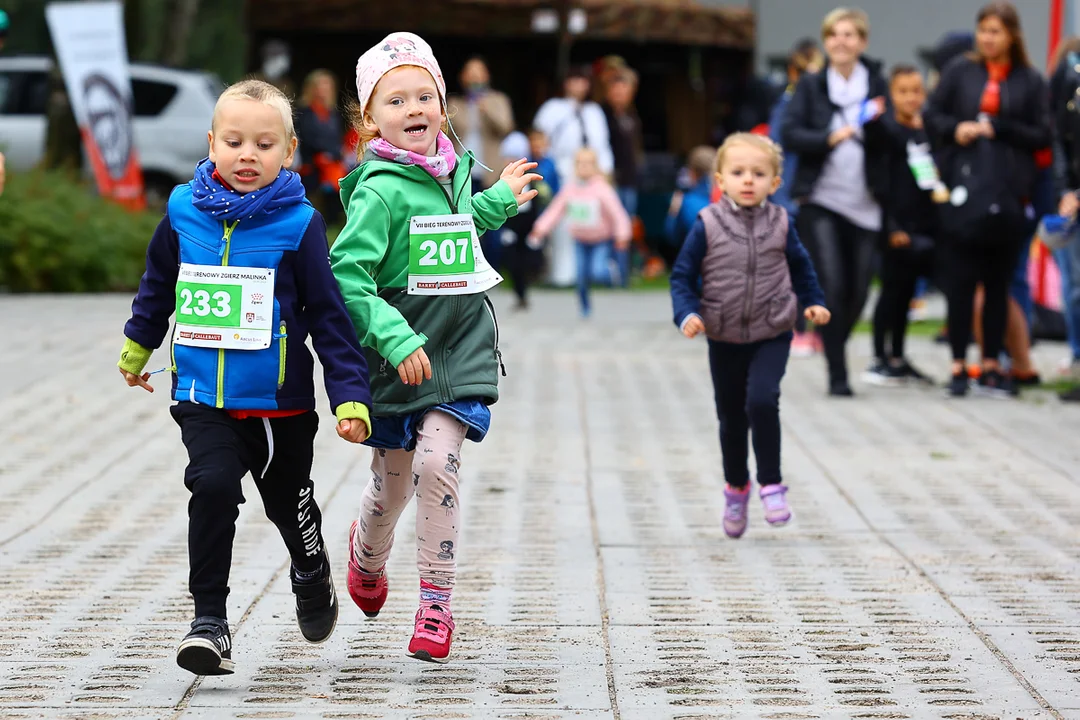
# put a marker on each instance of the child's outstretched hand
(352, 429)
(818, 315)
(134, 380)
(518, 177)
(415, 369)
(693, 327)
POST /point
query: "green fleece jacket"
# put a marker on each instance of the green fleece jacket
(370, 260)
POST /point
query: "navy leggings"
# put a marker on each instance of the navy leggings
(746, 382)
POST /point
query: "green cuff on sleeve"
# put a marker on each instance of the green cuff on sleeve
(354, 411)
(133, 357)
(506, 197)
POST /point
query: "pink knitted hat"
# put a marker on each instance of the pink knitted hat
(395, 50)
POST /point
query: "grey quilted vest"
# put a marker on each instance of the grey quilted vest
(747, 294)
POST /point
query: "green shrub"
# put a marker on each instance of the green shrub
(57, 235)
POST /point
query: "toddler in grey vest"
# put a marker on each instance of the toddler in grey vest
(739, 279)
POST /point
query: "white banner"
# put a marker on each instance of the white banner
(90, 45)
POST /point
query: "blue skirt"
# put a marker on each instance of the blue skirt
(398, 432)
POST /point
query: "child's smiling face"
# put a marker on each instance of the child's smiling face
(406, 110)
(249, 144)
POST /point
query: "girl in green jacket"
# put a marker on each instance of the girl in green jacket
(413, 277)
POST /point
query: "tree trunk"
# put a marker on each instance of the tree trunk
(133, 34)
(179, 21)
(63, 143)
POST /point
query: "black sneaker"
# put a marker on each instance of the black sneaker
(881, 373)
(840, 388)
(993, 384)
(959, 384)
(316, 603)
(911, 372)
(207, 649)
(1031, 380)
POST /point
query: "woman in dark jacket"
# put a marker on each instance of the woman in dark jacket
(833, 124)
(988, 117)
(320, 130)
(1065, 110)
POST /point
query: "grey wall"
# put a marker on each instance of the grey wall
(898, 28)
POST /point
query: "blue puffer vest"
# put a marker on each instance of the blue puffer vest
(235, 379)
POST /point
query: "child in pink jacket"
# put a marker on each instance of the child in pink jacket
(595, 216)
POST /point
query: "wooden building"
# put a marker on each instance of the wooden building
(693, 60)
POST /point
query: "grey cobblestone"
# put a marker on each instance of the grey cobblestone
(931, 570)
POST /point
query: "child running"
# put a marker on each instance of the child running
(910, 226)
(240, 257)
(745, 255)
(596, 216)
(413, 277)
(521, 258)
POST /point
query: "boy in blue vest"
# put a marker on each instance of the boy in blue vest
(241, 258)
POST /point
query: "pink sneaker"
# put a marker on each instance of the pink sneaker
(773, 497)
(368, 590)
(434, 628)
(802, 344)
(735, 510)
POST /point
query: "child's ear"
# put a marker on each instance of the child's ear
(369, 124)
(777, 183)
(291, 152)
(210, 142)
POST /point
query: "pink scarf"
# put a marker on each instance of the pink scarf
(439, 165)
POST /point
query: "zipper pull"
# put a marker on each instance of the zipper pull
(382, 368)
(498, 354)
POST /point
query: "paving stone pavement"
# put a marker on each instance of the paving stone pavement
(931, 570)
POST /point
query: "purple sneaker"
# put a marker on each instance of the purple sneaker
(735, 510)
(773, 498)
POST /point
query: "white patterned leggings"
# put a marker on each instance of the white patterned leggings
(431, 473)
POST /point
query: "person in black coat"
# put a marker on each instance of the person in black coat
(321, 133)
(987, 118)
(1065, 111)
(833, 123)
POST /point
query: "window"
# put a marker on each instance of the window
(151, 97)
(216, 86)
(23, 93)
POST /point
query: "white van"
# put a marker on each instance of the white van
(172, 114)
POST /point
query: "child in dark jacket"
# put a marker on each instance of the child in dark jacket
(910, 227)
(687, 203)
(753, 272)
(523, 260)
(240, 257)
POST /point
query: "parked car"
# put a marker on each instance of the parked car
(172, 114)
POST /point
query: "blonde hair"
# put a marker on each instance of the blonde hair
(702, 161)
(585, 152)
(262, 92)
(758, 142)
(356, 115)
(855, 16)
(307, 95)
